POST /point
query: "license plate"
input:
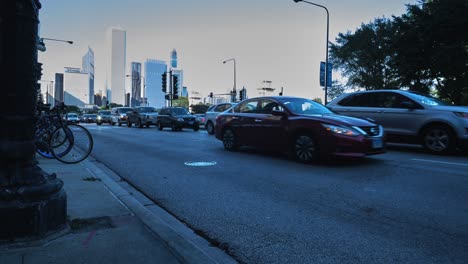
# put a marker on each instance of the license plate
(377, 143)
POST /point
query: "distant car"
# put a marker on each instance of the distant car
(119, 115)
(211, 114)
(73, 118)
(177, 118)
(104, 116)
(89, 118)
(202, 119)
(300, 126)
(142, 116)
(409, 117)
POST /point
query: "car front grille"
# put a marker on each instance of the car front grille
(189, 119)
(371, 131)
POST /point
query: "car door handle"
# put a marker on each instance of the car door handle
(258, 120)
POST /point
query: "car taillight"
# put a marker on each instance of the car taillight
(461, 114)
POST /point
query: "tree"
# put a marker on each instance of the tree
(181, 101)
(73, 108)
(431, 50)
(112, 105)
(318, 100)
(365, 56)
(336, 89)
(199, 108)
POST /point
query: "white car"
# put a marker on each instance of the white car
(212, 113)
(73, 118)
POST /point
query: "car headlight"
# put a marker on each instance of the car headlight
(341, 130)
(180, 119)
(461, 114)
(99, 118)
(122, 116)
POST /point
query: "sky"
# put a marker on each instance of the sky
(274, 40)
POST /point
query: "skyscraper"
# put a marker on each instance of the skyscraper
(174, 58)
(58, 94)
(116, 66)
(153, 74)
(136, 84)
(88, 67)
(76, 87)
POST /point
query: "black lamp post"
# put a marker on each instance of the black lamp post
(326, 53)
(32, 202)
(233, 95)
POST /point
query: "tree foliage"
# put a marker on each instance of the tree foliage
(425, 50)
(200, 108)
(181, 101)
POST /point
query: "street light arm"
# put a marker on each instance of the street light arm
(61, 40)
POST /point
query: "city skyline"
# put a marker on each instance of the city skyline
(282, 42)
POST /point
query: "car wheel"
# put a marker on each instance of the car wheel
(305, 148)
(129, 124)
(119, 123)
(147, 125)
(438, 139)
(160, 126)
(196, 128)
(229, 140)
(174, 128)
(139, 124)
(112, 123)
(210, 128)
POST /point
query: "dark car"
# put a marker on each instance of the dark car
(301, 126)
(177, 118)
(104, 116)
(409, 117)
(89, 118)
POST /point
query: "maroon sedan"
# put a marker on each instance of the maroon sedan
(307, 129)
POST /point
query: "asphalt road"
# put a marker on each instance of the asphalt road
(404, 206)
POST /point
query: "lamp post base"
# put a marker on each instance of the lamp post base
(33, 211)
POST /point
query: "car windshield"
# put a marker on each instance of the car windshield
(180, 111)
(301, 106)
(147, 109)
(104, 113)
(427, 100)
(124, 110)
(72, 115)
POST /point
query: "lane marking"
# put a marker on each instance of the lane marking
(442, 162)
(200, 163)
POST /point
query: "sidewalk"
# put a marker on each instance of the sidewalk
(110, 222)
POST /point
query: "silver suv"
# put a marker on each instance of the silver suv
(212, 113)
(409, 117)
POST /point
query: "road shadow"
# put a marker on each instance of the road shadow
(409, 148)
(330, 161)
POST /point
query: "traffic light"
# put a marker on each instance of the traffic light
(167, 96)
(241, 95)
(164, 82)
(211, 95)
(175, 85)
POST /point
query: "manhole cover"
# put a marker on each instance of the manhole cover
(200, 163)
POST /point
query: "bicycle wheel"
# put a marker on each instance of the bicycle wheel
(45, 142)
(77, 147)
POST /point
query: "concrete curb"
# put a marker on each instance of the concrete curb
(184, 248)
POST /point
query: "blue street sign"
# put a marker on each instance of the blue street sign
(322, 74)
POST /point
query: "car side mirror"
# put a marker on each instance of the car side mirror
(279, 113)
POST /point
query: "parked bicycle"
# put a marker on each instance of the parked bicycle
(56, 138)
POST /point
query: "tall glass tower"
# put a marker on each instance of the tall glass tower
(116, 68)
(88, 67)
(174, 58)
(153, 74)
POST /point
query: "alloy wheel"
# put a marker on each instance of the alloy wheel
(210, 128)
(229, 140)
(438, 140)
(305, 148)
